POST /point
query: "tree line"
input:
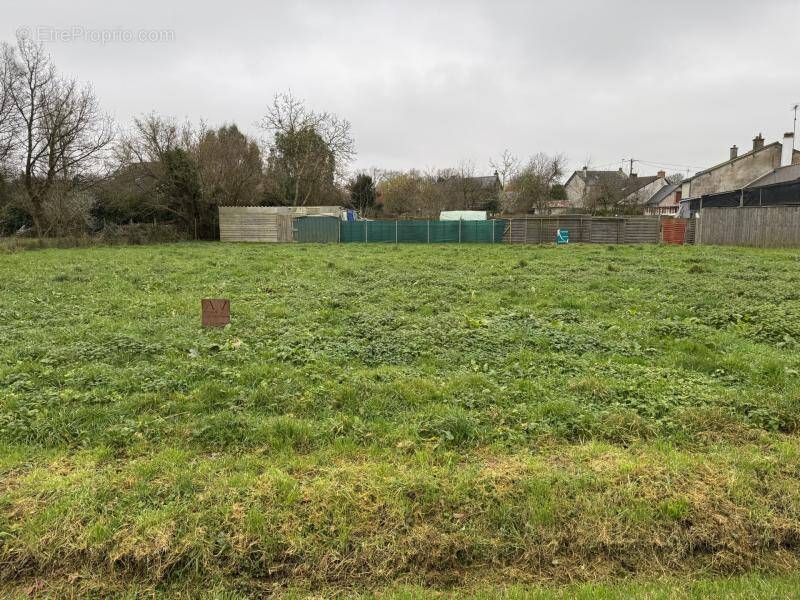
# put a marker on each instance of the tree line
(66, 168)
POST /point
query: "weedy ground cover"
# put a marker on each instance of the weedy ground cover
(428, 417)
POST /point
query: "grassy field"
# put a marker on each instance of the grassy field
(404, 420)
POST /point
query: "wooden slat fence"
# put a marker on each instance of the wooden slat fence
(691, 231)
(585, 229)
(758, 226)
(302, 211)
(642, 230)
(253, 224)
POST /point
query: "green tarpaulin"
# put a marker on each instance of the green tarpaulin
(433, 232)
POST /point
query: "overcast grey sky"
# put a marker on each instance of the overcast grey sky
(431, 83)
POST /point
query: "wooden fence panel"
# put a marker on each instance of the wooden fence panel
(577, 227)
(542, 230)
(642, 230)
(691, 231)
(757, 226)
(547, 231)
(594, 230)
(607, 231)
(253, 224)
(516, 231)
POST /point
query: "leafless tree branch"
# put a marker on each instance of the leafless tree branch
(309, 146)
(62, 134)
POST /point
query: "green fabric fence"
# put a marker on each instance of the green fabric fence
(421, 232)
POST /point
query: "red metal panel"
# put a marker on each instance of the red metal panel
(673, 231)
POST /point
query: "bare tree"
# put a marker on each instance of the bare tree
(462, 190)
(534, 181)
(436, 192)
(149, 139)
(63, 132)
(413, 193)
(182, 173)
(156, 156)
(427, 194)
(507, 166)
(611, 195)
(675, 178)
(135, 191)
(402, 193)
(308, 150)
(9, 117)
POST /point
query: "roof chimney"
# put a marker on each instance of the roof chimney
(758, 142)
(735, 150)
(787, 152)
(661, 174)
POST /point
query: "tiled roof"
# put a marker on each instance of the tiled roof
(634, 184)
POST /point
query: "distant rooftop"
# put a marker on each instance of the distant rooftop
(595, 177)
(634, 184)
(665, 191)
(779, 175)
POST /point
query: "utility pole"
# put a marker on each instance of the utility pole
(794, 129)
(630, 171)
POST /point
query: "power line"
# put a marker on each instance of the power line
(605, 166)
(598, 167)
(653, 163)
(650, 163)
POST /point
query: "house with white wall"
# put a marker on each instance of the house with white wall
(665, 201)
(639, 190)
(583, 185)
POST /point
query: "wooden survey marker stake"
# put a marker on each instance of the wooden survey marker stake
(216, 312)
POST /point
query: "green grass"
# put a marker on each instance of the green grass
(400, 420)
